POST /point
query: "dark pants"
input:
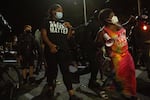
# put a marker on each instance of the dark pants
(52, 69)
(27, 60)
(93, 65)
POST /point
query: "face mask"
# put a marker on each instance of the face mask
(59, 15)
(114, 20)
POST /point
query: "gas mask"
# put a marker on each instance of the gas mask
(59, 15)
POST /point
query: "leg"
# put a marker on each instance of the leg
(64, 68)
(94, 68)
(24, 74)
(24, 70)
(30, 61)
(126, 75)
(31, 78)
(31, 69)
(51, 73)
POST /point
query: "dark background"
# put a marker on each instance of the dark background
(21, 12)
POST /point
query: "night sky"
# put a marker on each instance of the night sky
(21, 12)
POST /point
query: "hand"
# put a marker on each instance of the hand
(53, 49)
(106, 57)
(71, 32)
(67, 24)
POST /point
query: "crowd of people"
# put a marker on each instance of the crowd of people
(104, 39)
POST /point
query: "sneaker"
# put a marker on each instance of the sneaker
(100, 92)
(95, 87)
(74, 97)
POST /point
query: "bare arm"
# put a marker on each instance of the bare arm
(48, 42)
(70, 32)
(101, 45)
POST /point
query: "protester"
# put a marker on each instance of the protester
(26, 48)
(55, 33)
(113, 37)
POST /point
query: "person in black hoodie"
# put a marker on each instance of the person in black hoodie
(55, 34)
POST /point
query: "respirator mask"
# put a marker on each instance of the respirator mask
(113, 20)
(59, 15)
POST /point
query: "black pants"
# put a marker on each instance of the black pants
(94, 66)
(52, 69)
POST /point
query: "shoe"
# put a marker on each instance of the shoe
(93, 84)
(110, 88)
(74, 97)
(100, 92)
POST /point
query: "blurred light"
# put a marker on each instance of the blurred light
(145, 27)
(144, 16)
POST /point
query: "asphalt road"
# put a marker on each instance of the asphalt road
(38, 90)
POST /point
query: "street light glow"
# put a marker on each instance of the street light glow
(85, 15)
(144, 27)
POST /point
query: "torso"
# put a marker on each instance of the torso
(120, 42)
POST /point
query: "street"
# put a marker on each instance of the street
(38, 90)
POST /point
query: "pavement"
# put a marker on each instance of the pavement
(38, 91)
